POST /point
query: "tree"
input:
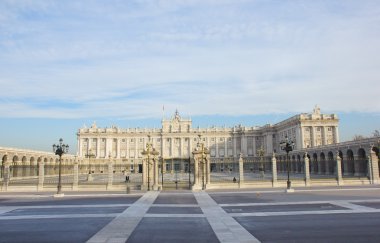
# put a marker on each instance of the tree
(358, 137)
(376, 133)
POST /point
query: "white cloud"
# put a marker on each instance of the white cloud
(91, 59)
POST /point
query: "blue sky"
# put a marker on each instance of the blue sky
(65, 63)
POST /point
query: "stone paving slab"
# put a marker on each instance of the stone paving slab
(50, 211)
(69, 201)
(174, 198)
(173, 230)
(281, 208)
(51, 230)
(175, 210)
(339, 228)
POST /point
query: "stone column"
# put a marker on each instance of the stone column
(241, 171)
(234, 145)
(274, 170)
(98, 148)
(312, 136)
(76, 176)
(110, 174)
(336, 135)
(373, 159)
(41, 175)
(339, 169)
(307, 170)
(118, 149)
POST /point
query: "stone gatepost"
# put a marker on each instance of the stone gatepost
(41, 176)
(155, 174)
(307, 170)
(6, 176)
(110, 175)
(208, 175)
(76, 176)
(339, 177)
(274, 170)
(241, 171)
(144, 175)
(196, 185)
(373, 159)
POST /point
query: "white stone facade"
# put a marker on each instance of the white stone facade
(177, 138)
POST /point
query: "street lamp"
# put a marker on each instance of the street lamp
(202, 151)
(59, 150)
(287, 146)
(89, 155)
(149, 151)
(261, 153)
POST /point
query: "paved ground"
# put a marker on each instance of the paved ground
(348, 214)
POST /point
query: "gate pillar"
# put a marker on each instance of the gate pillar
(307, 170)
(274, 170)
(339, 170)
(41, 175)
(155, 174)
(374, 166)
(241, 171)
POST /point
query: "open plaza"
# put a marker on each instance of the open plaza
(288, 182)
(318, 214)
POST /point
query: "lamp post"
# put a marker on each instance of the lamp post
(59, 150)
(148, 152)
(202, 152)
(261, 153)
(287, 146)
(89, 155)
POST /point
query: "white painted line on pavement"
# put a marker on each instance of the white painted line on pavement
(295, 203)
(60, 216)
(169, 215)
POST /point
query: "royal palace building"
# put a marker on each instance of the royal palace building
(177, 138)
